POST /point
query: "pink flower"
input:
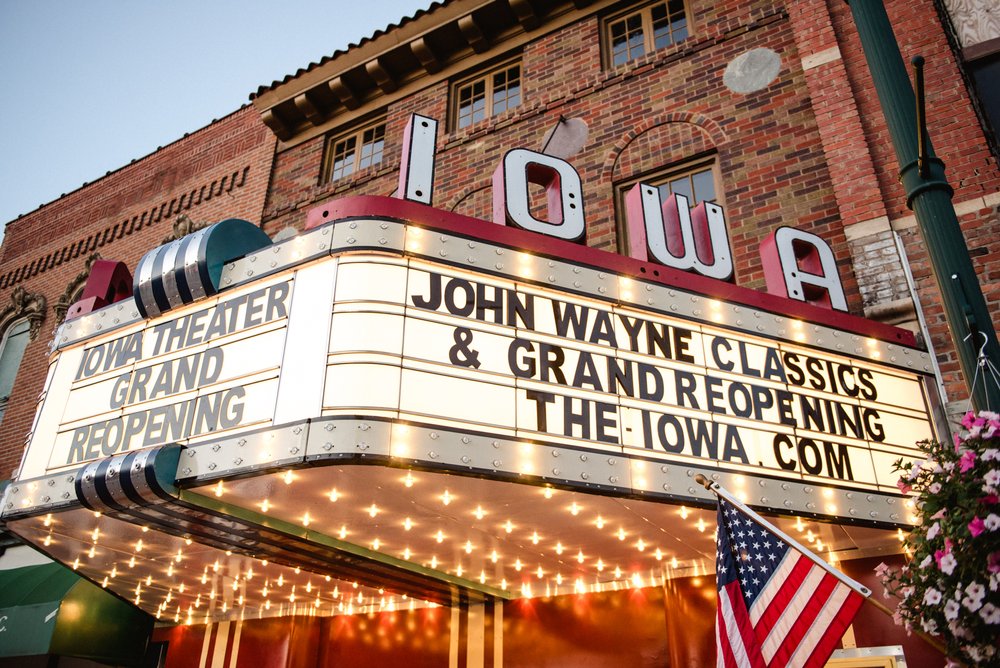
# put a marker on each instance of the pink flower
(903, 486)
(967, 461)
(993, 562)
(990, 498)
(939, 514)
(933, 531)
(968, 420)
(976, 526)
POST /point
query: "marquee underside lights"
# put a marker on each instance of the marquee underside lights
(421, 403)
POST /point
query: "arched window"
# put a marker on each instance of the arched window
(15, 340)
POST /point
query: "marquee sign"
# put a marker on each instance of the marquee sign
(407, 317)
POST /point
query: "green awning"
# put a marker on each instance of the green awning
(49, 609)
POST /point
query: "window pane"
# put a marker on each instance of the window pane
(10, 357)
(669, 23)
(627, 40)
(343, 158)
(506, 89)
(682, 186)
(472, 103)
(371, 147)
(704, 186)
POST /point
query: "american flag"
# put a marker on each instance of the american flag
(776, 606)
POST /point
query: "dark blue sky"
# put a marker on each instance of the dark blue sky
(86, 86)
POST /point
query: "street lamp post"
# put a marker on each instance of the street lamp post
(929, 196)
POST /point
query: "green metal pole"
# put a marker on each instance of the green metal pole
(930, 199)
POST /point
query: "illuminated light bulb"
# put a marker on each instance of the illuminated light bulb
(178, 557)
(799, 526)
(170, 596)
(288, 477)
(373, 510)
(97, 513)
(264, 591)
(900, 535)
(819, 545)
(343, 532)
(540, 573)
(48, 540)
(479, 513)
(138, 546)
(249, 575)
(482, 577)
(548, 492)
(236, 585)
(503, 584)
(641, 545)
(48, 520)
(518, 565)
(407, 524)
(204, 577)
(265, 506)
(684, 512)
(673, 562)
(494, 556)
(508, 526)
(145, 529)
(578, 586)
(559, 578)
(468, 547)
(439, 536)
(810, 536)
(406, 554)
(636, 580)
(621, 533)
(535, 537)
(376, 543)
(526, 590)
(434, 561)
(658, 554)
(600, 564)
(458, 571)
(267, 604)
(701, 525)
(574, 508)
(334, 495)
(95, 534)
(104, 583)
(579, 557)
(215, 566)
(600, 522)
(149, 580)
(618, 573)
(559, 548)
(306, 519)
(93, 551)
(219, 489)
(187, 541)
(446, 497)
(180, 590)
(408, 480)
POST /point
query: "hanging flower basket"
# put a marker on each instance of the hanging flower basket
(951, 586)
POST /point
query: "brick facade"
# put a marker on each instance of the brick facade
(220, 171)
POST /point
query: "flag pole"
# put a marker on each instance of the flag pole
(722, 492)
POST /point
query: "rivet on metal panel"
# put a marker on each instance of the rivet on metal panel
(602, 289)
(611, 461)
(496, 444)
(237, 461)
(788, 504)
(361, 445)
(891, 502)
(613, 479)
(297, 430)
(364, 427)
(497, 463)
(191, 453)
(329, 427)
(466, 459)
(585, 476)
(807, 489)
(691, 490)
(784, 486)
(241, 442)
(853, 511)
(294, 450)
(46, 499)
(689, 473)
(666, 487)
(51, 482)
(432, 454)
(873, 513)
(433, 435)
(552, 279)
(697, 312)
(499, 251)
(811, 506)
(351, 240)
(328, 446)
(850, 495)
(216, 447)
(576, 284)
(186, 471)
(763, 499)
(383, 241)
(601, 275)
(869, 498)
(556, 471)
(555, 453)
(212, 466)
(65, 495)
(715, 476)
(466, 440)
(353, 226)
(673, 307)
(470, 260)
(583, 458)
(894, 516)
(383, 226)
(665, 469)
(762, 483)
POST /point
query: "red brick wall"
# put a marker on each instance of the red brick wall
(220, 171)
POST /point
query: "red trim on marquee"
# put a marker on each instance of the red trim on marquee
(362, 206)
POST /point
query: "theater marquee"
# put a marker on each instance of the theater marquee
(435, 329)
